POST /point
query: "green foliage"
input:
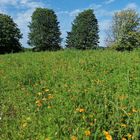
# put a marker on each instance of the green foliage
(44, 30)
(9, 35)
(125, 30)
(70, 94)
(128, 42)
(84, 34)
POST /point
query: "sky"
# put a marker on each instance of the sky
(66, 10)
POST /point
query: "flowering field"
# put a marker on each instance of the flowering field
(70, 95)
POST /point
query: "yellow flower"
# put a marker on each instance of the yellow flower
(46, 90)
(80, 110)
(73, 138)
(24, 124)
(39, 103)
(107, 135)
(87, 133)
(47, 139)
(134, 110)
(123, 125)
(50, 96)
(124, 139)
(44, 99)
(91, 124)
(129, 114)
(39, 93)
(129, 135)
(49, 106)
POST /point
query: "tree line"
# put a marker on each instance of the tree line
(123, 34)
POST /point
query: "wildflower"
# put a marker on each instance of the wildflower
(50, 96)
(46, 90)
(24, 124)
(107, 135)
(134, 110)
(129, 135)
(87, 133)
(39, 93)
(73, 138)
(123, 125)
(124, 139)
(39, 103)
(91, 124)
(49, 106)
(129, 114)
(44, 99)
(80, 110)
(47, 139)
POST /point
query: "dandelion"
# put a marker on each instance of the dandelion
(134, 110)
(46, 90)
(47, 139)
(39, 103)
(49, 106)
(73, 138)
(50, 96)
(80, 110)
(129, 114)
(39, 93)
(87, 133)
(129, 135)
(24, 125)
(123, 125)
(107, 135)
(91, 124)
(124, 139)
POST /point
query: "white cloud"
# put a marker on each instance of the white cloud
(8, 2)
(109, 1)
(131, 6)
(95, 6)
(75, 12)
(22, 19)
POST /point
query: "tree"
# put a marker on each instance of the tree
(125, 31)
(84, 34)
(44, 30)
(9, 35)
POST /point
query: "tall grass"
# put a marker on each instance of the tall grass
(89, 95)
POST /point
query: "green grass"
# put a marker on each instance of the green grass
(70, 95)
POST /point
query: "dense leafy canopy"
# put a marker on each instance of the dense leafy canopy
(44, 30)
(125, 30)
(9, 35)
(84, 34)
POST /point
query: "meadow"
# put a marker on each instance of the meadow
(70, 95)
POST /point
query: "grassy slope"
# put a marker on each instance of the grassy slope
(70, 94)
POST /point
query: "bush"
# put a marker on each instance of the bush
(127, 42)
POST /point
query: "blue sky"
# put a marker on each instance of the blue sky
(66, 10)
